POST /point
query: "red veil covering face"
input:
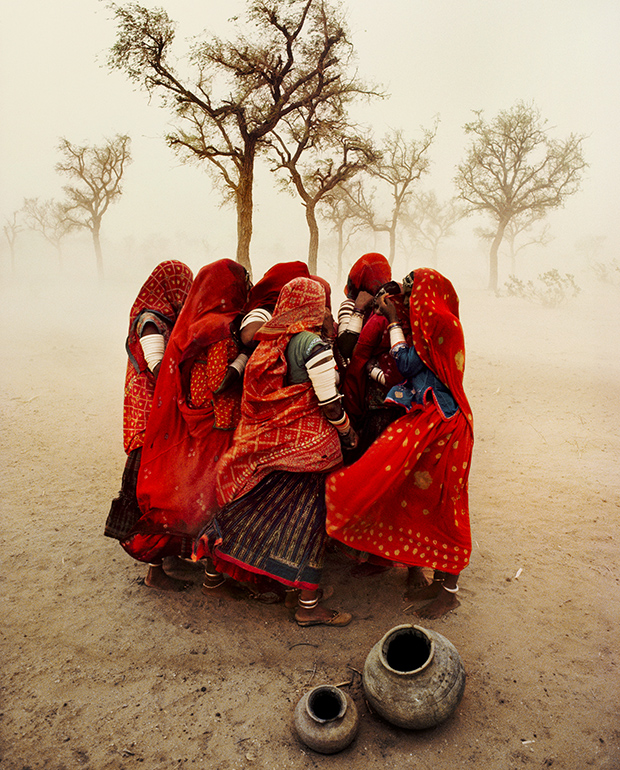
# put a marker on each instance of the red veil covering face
(265, 293)
(282, 426)
(176, 482)
(163, 295)
(406, 499)
(369, 274)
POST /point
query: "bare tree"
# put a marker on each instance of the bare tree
(12, 227)
(428, 222)
(98, 172)
(50, 219)
(513, 167)
(337, 209)
(331, 162)
(402, 163)
(519, 235)
(239, 90)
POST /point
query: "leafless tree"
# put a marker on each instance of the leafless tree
(328, 163)
(50, 219)
(338, 211)
(402, 162)
(429, 222)
(513, 167)
(238, 91)
(97, 171)
(520, 233)
(12, 227)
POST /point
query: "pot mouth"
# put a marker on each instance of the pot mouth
(407, 649)
(326, 703)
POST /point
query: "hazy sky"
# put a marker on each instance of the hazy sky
(439, 57)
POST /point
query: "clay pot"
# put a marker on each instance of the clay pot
(414, 677)
(326, 719)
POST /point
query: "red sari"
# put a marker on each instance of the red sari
(406, 499)
(282, 426)
(190, 428)
(271, 482)
(162, 295)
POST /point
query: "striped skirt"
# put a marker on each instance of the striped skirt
(277, 529)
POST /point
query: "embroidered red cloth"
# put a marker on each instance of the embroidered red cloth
(282, 426)
(176, 482)
(369, 273)
(162, 294)
(265, 292)
(406, 499)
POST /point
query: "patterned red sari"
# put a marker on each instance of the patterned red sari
(162, 295)
(282, 426)
(189, 428)
(406, 499)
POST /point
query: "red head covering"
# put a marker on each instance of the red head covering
(369, 274)
(437, 333)
(217, 296)
(163, 295)
(265, 292)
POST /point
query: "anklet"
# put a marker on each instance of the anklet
(215, 585)
(450, 590)
(309, 604)
(212, 574)
(159, 564)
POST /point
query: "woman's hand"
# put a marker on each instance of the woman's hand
(387, 308)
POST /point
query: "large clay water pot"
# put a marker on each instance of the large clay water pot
(326, 719)
(414, 677)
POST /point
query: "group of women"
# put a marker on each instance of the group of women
(258, 431)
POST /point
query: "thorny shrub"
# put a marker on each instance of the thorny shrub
(550, 290)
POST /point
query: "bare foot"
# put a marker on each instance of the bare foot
(444, 602)
(157, 578)
(422, 593)
(416, 580)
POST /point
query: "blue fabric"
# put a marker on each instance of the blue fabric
(419, 381)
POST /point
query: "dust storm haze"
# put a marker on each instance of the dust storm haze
(101, 672)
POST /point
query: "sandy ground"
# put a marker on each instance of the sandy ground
(99, 671)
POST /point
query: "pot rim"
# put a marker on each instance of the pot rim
(329, 688)
(394, 631)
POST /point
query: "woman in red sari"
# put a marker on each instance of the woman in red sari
(366, 277)
(190, 426)
(271, 482)
(415, 510)
(151, 319)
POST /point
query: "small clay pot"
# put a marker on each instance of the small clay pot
(414, 677)
(326, 719)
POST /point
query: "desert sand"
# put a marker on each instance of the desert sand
(101, 672)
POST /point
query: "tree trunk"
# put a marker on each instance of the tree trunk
(245, 208)
(98, 255)
(313, 246)
(392, 232)
(340, 251)
(493, 272)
